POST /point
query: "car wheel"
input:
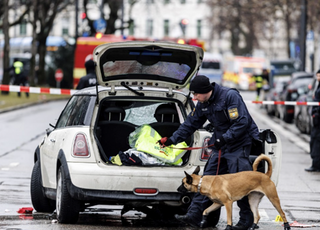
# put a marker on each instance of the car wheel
(300, 123)
(39, 201)
(67, 208)
(270, 110)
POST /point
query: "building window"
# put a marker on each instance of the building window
(150, 1)
(166, 27)
(199, 26)
(65, 26)
(199, 1)
(183, 1)
(149, 27)
(23, 27)
(131, 28)
(166, 1)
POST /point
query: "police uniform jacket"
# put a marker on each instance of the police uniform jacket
(316, 97)
(228, 113)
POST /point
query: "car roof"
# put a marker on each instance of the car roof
(301, 74)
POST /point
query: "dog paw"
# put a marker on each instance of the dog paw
(287, 226)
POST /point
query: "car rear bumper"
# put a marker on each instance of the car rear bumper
(106, 184)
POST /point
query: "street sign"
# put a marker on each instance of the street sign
(58, 75)
(100, 24)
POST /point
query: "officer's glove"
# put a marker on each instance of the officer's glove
(209, 127)
(165, 141)
(219, 143)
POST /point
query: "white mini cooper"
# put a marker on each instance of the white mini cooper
(77, 164)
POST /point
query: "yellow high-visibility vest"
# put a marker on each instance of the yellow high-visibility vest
(18, 66)
(145, 139)
(259, 81)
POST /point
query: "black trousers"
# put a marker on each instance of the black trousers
(315, 146)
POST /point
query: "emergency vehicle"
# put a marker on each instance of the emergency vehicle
(239, 71)
(86, 45)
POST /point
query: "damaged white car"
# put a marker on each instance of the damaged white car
(91, 157)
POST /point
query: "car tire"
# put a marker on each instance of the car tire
(67, 208)
(300, 124)
(39, 201)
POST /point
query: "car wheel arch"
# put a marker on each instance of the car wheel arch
(62, 161)
(36, 156)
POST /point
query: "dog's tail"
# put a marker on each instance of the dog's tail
(257, 161)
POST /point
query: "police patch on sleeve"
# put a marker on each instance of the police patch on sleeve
(233, 113)
(192, 113)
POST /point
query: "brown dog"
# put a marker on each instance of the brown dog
(223, 190)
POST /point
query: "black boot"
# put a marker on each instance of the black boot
(187, 220)
(204, 222)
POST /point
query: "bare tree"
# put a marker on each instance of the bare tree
(5, 8)
(44, 13)
(115, 6)
(249, 21)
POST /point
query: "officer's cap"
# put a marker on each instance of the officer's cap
(200, 84)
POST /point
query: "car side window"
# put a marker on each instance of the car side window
(64, 116)
(79, 111)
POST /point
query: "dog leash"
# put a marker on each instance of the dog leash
(194, 148)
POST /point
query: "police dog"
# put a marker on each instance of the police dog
(223, 190)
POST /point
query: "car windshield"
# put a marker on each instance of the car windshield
(210, 65)
(141, 115)
(302, 81)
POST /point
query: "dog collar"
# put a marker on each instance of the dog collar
(199, 185)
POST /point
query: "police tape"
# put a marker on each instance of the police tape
(285, 103)
(57, 91)
(27, 89)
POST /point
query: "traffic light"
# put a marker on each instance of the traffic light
(183, 25)
(83, 15)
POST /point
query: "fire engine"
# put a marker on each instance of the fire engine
(239, 71)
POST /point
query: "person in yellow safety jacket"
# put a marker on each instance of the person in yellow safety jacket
(19, 77)
(259, 83)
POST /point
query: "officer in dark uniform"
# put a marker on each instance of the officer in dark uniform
(315, 131)
(91, 78)
(234, 130)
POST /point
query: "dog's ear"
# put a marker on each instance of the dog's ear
(188, 177)
(197, 170)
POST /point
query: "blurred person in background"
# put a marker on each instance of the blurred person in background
(315, 131)
(261, 80)
(91, 78)
(19, 78)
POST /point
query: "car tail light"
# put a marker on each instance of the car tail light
(145, 191)
(80, 147)
(206, 152)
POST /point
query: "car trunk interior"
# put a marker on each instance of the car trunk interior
(117, 119)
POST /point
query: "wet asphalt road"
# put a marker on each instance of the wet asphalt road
(22, 130)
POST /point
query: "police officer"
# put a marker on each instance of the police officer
(91, 78)
(315, 131)
(259, 83)
(19, 76)
(234, 130)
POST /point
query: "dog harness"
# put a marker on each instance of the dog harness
(199, 185)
